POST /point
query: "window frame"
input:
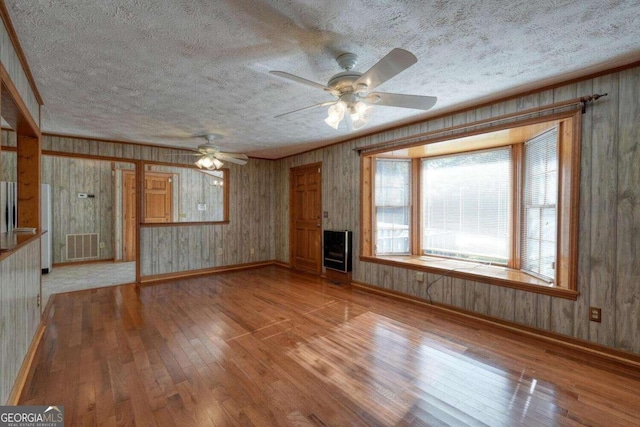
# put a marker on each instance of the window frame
(569, 145)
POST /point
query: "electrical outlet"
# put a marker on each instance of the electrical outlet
(252, 251)
(420, 276)
(595, 314)
(220, 251)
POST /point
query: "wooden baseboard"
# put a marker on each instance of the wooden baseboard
(88, 261)
(588, 350)
(282, 264)
(157, 278)
(23, 373)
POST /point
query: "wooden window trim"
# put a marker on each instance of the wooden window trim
(569, 131)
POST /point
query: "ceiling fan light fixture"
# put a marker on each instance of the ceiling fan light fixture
(333, 121)
(336, 114)
(209, 163)
(217, 163)
(204, 162)
(360, 114)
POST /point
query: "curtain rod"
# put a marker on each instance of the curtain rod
(582, 101)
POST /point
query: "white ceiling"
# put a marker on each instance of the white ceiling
(160, 71)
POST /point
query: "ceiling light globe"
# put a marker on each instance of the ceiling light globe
(333, 121)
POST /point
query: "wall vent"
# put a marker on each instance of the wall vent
(82, 246)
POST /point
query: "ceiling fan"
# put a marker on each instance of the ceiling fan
(211, 158)
(353, 90)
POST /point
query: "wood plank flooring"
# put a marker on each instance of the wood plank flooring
(274, 347)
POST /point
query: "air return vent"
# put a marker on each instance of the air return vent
(82, 246)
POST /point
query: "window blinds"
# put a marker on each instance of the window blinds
(466, 205)
(393, 206)
(540, 200)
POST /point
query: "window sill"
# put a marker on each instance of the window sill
(493, 275)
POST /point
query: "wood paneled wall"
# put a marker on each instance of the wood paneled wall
(163, 249)
(69, 176)
(609, 265)
(19, 313)
(72, 215)
(90, 147)
(251, 226)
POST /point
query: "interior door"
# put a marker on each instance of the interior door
(306, 218)
(129, 214)
(157, 197)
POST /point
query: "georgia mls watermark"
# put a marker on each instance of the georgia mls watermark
(31, 416)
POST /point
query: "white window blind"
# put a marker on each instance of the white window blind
(540, 200)
(392, 206)
(466, 205)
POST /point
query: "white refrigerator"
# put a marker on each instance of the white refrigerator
(9, 217)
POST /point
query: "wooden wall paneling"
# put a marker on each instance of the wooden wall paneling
(9, 138)
(196, 236)
(447, 289)
(543, 320)
(562, 316)
(436, 290)
(9, 171)
(282, 211)
(604, 181)
(458, 292)
(400, 278)
(69, 176)
(525, 308)
(146, 260)
(627, 273)
(20, 273)
(502, 302)
(481, 297)
(581, 312)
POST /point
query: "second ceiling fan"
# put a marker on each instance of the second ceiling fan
(353, 90)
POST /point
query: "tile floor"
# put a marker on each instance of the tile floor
(86, 276)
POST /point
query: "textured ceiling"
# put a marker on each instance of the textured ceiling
(160, 71)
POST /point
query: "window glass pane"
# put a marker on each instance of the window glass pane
(466, 205)
(392, 206)
(540, 214)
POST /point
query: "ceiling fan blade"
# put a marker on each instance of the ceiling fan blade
(394, 63)
(299, 80)
(323, 104)
(233, 155)
(184, 154)
(399, 100)
(227, 157)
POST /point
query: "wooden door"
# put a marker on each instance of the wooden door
(157, 197)
(129, 216)
(306, 218)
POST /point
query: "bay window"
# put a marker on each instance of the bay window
(506, 199)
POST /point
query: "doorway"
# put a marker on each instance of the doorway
(305, 235)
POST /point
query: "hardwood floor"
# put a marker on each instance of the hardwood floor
(274, 347)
